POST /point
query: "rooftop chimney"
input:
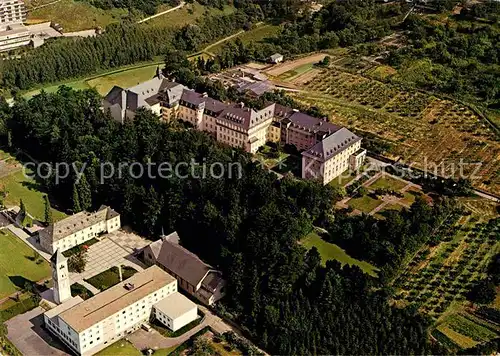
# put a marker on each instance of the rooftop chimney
(242, 104)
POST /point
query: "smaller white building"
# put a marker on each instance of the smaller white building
(276, 58)
(175, 311)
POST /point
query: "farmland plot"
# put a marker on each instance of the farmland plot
(441, 136)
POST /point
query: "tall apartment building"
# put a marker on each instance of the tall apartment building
(78, 228)
(327, 149)
(88, 326)
(12, 12)
(13, 33)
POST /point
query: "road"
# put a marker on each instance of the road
(163, 12)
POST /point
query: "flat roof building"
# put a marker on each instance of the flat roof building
(87, 326)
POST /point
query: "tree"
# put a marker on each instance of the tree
(78, 261)
(484, 292)
(48, 210)
(84, 193)
(76, 200)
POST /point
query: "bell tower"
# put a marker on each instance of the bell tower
(60, 277)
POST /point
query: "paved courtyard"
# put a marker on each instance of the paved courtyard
(113, 250)
(26, 333)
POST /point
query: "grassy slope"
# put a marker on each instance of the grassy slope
(329, 251)
(77, 15)
(256, 34)
(15, 263)
(19, 187)
(364, 203)
(186, 15)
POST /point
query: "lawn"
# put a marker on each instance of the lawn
(388, 182)
(257, 34)
(16, 264)
(110, 277)
(18, 186)
(124, 76)
(344, 178)
(120, 348)
(364, 203)
(79, 290)
(409, 197)
(329, 251)
(123, 79)
(75, 15)
(187, 15)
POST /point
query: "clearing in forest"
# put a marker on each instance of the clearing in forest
(329, 251)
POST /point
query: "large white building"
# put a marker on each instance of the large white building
(13, 33)
(78, 228)
(88, 326)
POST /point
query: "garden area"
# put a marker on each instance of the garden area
(439, 278)
(110, 277)
(415, 127)
(18, 265)
(78, 290)
(329, 251)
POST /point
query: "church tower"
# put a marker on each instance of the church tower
(60, 277)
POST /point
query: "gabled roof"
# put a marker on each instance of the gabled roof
(76, 222)
(246, 117)
(182, 262)
(333, 144)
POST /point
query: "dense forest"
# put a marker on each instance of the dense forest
(248, 227)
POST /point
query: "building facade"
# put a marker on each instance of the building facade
(78, 228)
(88, 326)
(60, 277)
(238, 126)
(13, 33)
(12, 12)
(193, 275)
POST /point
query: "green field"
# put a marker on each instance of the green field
(120, 348)
(124, 77)
(388, 182)
(292, 74)
(16, 264)
(76, 15)
(187, 15)
(364, 203)
(18, 186)
(257, 34)
(344, 178)
(329, 251)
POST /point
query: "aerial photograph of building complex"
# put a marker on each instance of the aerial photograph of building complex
(221, 177)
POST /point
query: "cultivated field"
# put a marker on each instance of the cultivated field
(440, 135)
(438, 278)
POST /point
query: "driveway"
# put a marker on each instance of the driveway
(26, 333)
